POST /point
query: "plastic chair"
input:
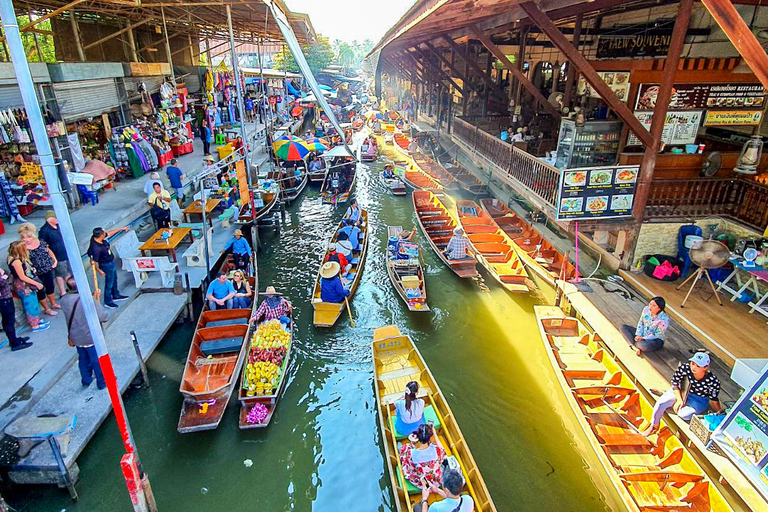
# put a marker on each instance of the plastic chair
(682, 250)
(88, 195)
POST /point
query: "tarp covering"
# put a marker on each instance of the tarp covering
(293, 45)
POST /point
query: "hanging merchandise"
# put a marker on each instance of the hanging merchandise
(76, 151)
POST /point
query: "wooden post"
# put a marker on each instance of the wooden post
(168, 51)
(62, 467)
(132, 46)
(520, 64)
(142, 365)
(34, 36)
(76, 35)
(487, 88)
(648, 165)
(572, 75)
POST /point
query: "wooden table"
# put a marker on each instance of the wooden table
(196, 209)
(156, 242)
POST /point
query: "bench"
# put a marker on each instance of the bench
(127, 246)
(140, 268)
(195, 253)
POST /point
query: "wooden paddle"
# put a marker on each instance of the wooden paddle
(95, 278)
(349, 310)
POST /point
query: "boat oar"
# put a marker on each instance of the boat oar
(349, 310)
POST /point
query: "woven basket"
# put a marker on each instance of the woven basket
(701, 430)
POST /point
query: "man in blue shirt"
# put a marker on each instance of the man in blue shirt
(350, 232)
(175, 176)
(331, 289)
(220, 293)
(240, 249)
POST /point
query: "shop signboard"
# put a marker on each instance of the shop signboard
(597, 192)
(642, 44)
(679, 127)
(704, 96)
(618, 81)
(733, 118)
(743, 434)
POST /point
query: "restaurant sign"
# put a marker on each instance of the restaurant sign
(701, 96)
(733, 118)
(633, 45)
(679, 127)
(597, 192)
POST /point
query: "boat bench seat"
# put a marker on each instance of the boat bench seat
(409, 487)
(429, 414)
(222, 346)
(229, 321)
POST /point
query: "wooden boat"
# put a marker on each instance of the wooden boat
(397, 361)
(393, 185)
(366, 157)
(401, 144)
(466, 180)
(268, 399)
(438, 225)
(407, 275)
(317, 177)
(326, 313)
(265, 201)
(215, 356)
(651, 473)
(493, 247)
(540, 256)
(432, 168)
(290, 185)
(343, 196)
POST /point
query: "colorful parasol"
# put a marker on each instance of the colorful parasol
(317, 145)
(292, 150)
(285, 139)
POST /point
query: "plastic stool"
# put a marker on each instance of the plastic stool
(221, 139)
(88, 195)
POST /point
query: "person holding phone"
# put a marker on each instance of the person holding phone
(452, 499)
(422, 458)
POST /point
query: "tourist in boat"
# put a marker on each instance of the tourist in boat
(351, 233)
(453, 500)
(458, 246)
(413, 147)
(315, 165)
(243, 292)
(221, 292)
(335, 256)
(703, 391)
(354, 213)
(422, 458)
(649, 334)
(273, 307)
(406, 235)
(240, 249)
(371, 151)
(409, 412)
(331, 287)
(389, 172)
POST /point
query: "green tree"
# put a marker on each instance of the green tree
(318, 56)
(44, 40)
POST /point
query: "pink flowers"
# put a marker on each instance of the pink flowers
(257, 414)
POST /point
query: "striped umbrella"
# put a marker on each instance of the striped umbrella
(292, 150)
(285, 139)
(316, 145)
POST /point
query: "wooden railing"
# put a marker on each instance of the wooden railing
(529, 171)
(740, 198)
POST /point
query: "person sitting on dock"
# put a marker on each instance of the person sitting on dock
(240, 249)
(273, 307)
(350, 232)
(331, 288)
(339, 258)
(159, 206)
(421, 458)
(649, 334)
(220, 293)
(703, 391)
(354, 214)
(458, 246)
(409, 412)
(242, 298)
(453, 500)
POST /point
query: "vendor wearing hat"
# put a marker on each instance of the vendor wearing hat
(331, 288)
(702, 393)
(273, 307)
(240, 249)
(458, 246)
(338, 257)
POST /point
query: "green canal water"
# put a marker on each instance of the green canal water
(323, 451)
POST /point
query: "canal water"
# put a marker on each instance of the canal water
(322, 451)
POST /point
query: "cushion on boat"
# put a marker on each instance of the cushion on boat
(230, 321)
(429, 414)
(409, 487)
(354, 261)
(223, 346)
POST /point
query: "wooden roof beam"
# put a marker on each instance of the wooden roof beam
(115, 34)
(51, 14)
(425, 72)
(496, 52)
(450, 66)
(439, 70)
(470, 63)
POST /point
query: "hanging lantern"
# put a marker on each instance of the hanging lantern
(750, 156)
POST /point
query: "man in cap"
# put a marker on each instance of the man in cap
(240, 249)
(274, 307)
(331, 288)
(703, 391)
(51, 234)
(334, 255)
(458, 246)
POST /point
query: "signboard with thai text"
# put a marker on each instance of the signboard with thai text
(633, 45)
(733, 118)
(679, 127)
(597, 192)
(704, 96)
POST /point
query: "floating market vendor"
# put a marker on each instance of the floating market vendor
(273, 307)
(240, 249)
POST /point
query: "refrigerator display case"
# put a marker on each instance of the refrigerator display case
(594, 144)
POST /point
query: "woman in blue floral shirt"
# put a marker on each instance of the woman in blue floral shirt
(649, 334)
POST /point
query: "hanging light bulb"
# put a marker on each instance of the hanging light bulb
(750, 156)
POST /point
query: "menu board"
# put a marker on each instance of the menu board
(733, 118)
(743, 434)
(679, 127)
(597, 192)
(618, 81)
(701, 96)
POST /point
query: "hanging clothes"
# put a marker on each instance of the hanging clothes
(141, 156)
(77, 152)
(8, 205)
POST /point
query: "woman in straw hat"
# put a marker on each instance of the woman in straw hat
(331, 289)
(274, 307)
(240, 249)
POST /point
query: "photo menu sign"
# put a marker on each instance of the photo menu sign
(597, 192)
(679, 127)
(704, 96)
(743, 434)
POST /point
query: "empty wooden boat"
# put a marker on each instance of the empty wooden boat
(433, 168)
(292, 188)
(326, 313)
(418, 179)
(263, 380)
(263, 201)
(397, 361)
(405, 270)
(437, 225)
(540, 256)
(651, 474)
(493, 247)
(402, 144)
(466, 180)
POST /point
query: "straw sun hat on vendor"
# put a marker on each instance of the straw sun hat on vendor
(329, 269)
(271, 291)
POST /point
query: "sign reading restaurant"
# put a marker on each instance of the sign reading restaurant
(635, 45)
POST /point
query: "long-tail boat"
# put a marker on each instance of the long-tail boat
(405, 270)
(494, 248)
(397, 361)
(540, 256)
(326, 313)
(264, 201)
(651, 473)
(437, 225)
